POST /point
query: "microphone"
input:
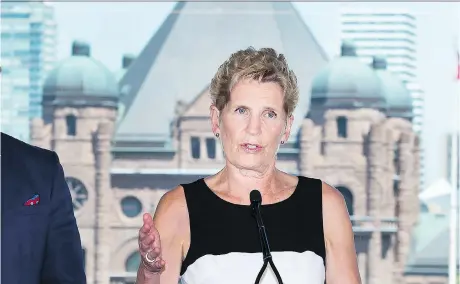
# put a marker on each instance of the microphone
(256, 200)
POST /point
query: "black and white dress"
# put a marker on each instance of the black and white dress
(225, 246)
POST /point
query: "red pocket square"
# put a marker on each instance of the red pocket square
(33, 201)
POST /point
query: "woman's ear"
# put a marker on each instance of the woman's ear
(215, 118)
(287, 131)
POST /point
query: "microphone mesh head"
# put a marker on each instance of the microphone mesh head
(255, 196)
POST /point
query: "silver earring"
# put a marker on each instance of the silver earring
(217, 135)
(282, 142)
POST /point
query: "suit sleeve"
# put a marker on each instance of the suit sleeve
(63, 263)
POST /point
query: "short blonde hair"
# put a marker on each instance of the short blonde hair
(264, 65)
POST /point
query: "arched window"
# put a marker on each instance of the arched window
(342, 126)
(211, 147)
(348, 196)
(71, 123)
(133, 261)
(195, 147)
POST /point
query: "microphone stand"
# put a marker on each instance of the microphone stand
(256, 200)
(264, 266)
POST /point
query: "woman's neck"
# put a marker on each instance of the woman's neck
(240, 182)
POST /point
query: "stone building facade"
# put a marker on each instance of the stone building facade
(351, 133)
(371, 158)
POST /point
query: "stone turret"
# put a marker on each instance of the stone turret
(80, 99)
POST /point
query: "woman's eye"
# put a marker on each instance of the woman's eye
(240, 110)
(271, 114)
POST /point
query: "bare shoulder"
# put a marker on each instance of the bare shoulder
(332, 198)
(335, 214)
(336, 219)
(171, 211)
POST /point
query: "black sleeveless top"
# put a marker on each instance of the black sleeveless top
(225, 245)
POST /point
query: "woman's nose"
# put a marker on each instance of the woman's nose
(254, 125)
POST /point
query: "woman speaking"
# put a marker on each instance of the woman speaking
(211, 231)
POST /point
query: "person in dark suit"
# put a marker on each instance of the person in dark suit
(40, 239)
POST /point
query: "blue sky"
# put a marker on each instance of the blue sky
(115, 28)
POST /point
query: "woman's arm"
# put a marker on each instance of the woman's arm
(341, 261)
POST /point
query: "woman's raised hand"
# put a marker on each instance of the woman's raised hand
(150, 246)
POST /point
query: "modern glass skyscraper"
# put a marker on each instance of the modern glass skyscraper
(28, 52)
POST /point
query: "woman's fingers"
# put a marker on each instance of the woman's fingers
(150, 245)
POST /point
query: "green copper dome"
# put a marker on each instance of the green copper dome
(80, 78)
(125, 63)
(398, 98)
(347, 82)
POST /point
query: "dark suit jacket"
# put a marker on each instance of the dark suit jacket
(40, 243)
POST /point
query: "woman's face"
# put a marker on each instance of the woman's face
(252, 125)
